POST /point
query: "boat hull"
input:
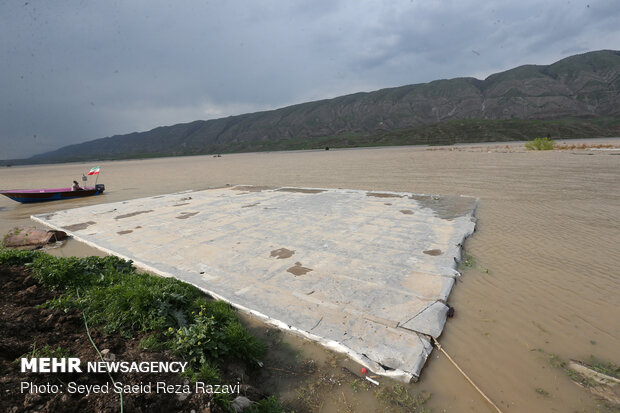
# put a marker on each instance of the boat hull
(45, 195)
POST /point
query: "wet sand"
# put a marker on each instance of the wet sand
(548, 232)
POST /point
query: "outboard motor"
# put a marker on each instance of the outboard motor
(100, 187)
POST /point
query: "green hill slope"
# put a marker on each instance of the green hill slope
(584, 90)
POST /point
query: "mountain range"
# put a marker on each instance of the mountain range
(578, 96)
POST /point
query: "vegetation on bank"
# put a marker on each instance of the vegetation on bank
(540, 144)
(112, 295)
(596, 376)
(469, 261)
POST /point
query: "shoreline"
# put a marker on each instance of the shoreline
(321, 150)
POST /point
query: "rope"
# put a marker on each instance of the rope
(101, 356)
(98, 352)
(465, 375)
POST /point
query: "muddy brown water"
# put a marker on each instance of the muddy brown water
(548, 234)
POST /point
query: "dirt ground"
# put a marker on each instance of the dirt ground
(25, 326)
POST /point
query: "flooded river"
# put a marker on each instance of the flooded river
(546, 273)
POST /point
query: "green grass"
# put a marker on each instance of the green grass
(608, 402)
(540, 144)
(214, 334)
(114, 296)
(399, 398)
(205, 373)
(177, 316)
(79, 273)
(360, 385)
(152, 342)
(604, 367)
(557, 362)
(45, 351)
(267, 405)
(469, 261)
(18, 257)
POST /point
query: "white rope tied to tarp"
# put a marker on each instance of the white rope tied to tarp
(465, 375)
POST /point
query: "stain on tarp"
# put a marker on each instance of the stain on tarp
(282, 253)
(298, 269)
(383, 195)
(446, 207)
(406, 211)
(302, 190)
(338, 239)
(80, 226)
(132, 214)
(181, 204)
(250, 205)
(250, 188)
(185, 215)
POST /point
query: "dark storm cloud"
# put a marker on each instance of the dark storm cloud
(72, 71)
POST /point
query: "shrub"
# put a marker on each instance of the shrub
(268, 405)
(70, 273)
(136, 303)
(540, 144)
(153, 342)
(45, 351)
(205, 373)
(215, 334)
(17, 257)
(399, 396)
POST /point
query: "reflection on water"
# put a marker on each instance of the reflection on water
(548, 233)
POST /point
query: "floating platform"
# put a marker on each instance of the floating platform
(364, 273)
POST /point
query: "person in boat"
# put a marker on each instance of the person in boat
(76, 186)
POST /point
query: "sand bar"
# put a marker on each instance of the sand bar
(365, 273)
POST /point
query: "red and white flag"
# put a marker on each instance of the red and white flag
(94, 171)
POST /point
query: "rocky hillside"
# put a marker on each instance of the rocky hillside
(581, 86)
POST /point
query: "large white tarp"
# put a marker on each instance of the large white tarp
(365, 273)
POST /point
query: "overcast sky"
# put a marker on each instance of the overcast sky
(73, 71)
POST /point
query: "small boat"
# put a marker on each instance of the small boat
(41, 195)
